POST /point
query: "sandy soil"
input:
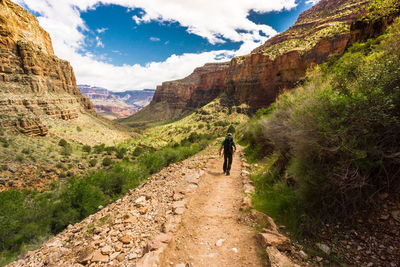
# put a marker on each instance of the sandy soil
(211, 233)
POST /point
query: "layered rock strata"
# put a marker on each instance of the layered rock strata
(258, 78)
(199, 88)
(34, 83)
(116, 105)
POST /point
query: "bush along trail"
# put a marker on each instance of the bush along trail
(189, 214)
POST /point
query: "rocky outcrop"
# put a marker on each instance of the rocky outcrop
(257, 79)
(34, 83)
(199, 88)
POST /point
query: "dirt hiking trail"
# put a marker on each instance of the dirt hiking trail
(188, 215)
(211, 232)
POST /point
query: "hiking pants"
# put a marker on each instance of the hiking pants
(227, 162)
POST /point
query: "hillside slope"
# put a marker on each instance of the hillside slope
(40, 104)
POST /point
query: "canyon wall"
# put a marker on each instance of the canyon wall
(203, 85)
(117, 105)
(35, 85)
(258, 78)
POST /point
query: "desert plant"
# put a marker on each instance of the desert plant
(93, 162)
(26, 151)
(121, 152)
(107, 162)
(63, 143)
(20, 158)
(87, 148)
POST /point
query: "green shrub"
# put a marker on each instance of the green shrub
(231, 129)
(121, 152)
(137, 151)
(110, 149)
(93, 162)
(87, 148)
(26, 151)
(99, 148)
(20, 157)
(4, 167)
(221, 123)
(66, 150)
(107, 162)
(79, 129)
(63, 143)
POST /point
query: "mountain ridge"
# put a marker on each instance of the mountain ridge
(258, 78)
(117, 105)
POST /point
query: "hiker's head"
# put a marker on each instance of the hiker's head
(229, 134)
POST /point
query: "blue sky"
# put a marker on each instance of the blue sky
(136, 44)
(126, 42)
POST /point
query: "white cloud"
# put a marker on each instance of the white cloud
(216, 21)
(313, 2)
(154, 39)
(99, 43)
(101, 30)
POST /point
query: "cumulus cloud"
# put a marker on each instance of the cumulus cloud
(217, 21)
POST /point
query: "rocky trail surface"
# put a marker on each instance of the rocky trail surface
(189, 214)
(212, 232)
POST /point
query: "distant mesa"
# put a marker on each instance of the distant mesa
(117, 105)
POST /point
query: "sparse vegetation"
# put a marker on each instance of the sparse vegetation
(93, 162)
(331, 144)
(107, 162)
(63, 143)
(28, 216)
(87, 148)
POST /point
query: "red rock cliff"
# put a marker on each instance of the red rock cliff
(34, 83)
(199, 88)
(258, 78)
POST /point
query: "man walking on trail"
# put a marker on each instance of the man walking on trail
(229, 147)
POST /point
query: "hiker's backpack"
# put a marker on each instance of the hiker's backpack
(228, 145)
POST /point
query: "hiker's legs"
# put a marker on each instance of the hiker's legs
(225, 162)
(228, 169)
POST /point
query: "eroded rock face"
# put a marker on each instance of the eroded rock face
(196, 90)
(258, 78)
(33, 82)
